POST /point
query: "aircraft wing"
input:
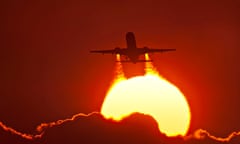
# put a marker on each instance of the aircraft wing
(104, 51)
(112, 51)
(159, 50)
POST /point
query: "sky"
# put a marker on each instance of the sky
(47, 72)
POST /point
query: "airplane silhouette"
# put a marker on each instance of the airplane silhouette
(132, 52)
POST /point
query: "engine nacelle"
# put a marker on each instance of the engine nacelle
(145, 49)
(117, 50)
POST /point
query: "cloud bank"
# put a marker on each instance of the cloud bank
(94, 128)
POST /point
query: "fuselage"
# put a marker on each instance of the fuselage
(131, 47)
(131, 42)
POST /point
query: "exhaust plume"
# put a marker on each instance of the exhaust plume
(149, 68)
(119, 74)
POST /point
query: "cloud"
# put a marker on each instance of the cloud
(203, 134)
(13, 131)
(94, 128)
(42, 127)
(137, 128)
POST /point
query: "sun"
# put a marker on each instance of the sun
(149, 94)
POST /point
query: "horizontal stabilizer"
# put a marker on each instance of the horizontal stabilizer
(134, 61)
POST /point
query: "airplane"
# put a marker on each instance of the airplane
(132, 52)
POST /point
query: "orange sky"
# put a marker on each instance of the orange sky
(48, 73)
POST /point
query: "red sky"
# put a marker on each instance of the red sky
(47, 71)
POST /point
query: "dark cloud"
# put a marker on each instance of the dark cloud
(94, 128)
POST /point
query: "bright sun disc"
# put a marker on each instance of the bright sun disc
(149, 94)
